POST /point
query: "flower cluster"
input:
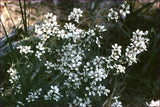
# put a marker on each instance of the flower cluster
(51, 20)
(124, 10)
(25, 50)
(2, 91)
(113, 15)
(48, 65)
(74, 33)
(95, 69)
(53, 94)
(48, 28)
(116, 102)
(64, 50)
(117, 59)
(116, 51)
(138, 45)
(33, 95)
(75, 14)
(114, 61)
(100, 28)
(94, 90)
(81, 102)
(13, 75)
(71, 60)
(14, 78)
(154, 103)
(40, 50)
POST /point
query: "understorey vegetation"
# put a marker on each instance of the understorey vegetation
(67, 64)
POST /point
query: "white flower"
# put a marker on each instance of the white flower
(40, 46)
(38, 54)
(98, 42)
(130, 56)
(100, 28)
(94, 90)
(13, 75)
(116, 51)
(69, 26)
(81, 102)
(100, 74)
(44, 37)
(51, 20)
(124, 10)
(140, 33)
(75, 14)
(48, 64)
(154, 103)
(97, 72)
(61, 33)
(138, 45)
(120, 69)
(116, 103)
(117, 48)
(49, 15)
(33, 95)
(53, 94)
(39, 30)
(25, 49)
(21, 103)
(91, 32)
(112, 15)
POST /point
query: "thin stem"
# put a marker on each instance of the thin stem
(108, 101)
(24, 21)
(29, 11)
(8, 40)
(121, 90)
(123, 31)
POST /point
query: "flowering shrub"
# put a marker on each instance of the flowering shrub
(56, 67)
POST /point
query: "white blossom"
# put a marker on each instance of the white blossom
(113, 15)
(48, 64)
(81, 102)
(25, 49)
(100, 28)
(116, 51)
(116, 102)
(124, 10)
(20, 104)
(72, 45)
(75, 14)
(13, 75)
(53, 94)
(138, 44)
(154, 103)
(120, 69)
(99, 90)
(51, 20)
(40, 46)
(38, 54)
(32, 96)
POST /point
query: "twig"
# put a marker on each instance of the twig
(108, 101)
